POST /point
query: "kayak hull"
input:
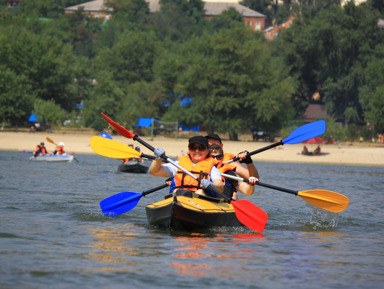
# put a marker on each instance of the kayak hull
(53, 158)
(134, 166)
(189, 211)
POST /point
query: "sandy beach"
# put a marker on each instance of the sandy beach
(363, 154)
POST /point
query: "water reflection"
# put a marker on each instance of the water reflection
(112, 247)
(200, 256)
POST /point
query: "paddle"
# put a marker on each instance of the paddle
(246, 212)
(327, 200)
(300, 134)
(51, 141)
(124, 201)
(113, 149)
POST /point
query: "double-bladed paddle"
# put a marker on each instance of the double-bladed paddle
(124, 201)
(51, 141)
(327, 200)
(247, 213)
(113, 149)
(300, 134)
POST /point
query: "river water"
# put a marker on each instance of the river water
(54, 235)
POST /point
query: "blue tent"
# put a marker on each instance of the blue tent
(144, 122)
(32, 118)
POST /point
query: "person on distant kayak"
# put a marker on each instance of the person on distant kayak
(231, 186)
(41, 150)
(128, 159)
(246, 173)
(198, 162)
(59, 149)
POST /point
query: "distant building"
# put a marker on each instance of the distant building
(272, 32)
(252, 18)
(380, 24)
(315, 112)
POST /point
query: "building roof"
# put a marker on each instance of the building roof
(314, 112)
(380, 23)
(91, 6)
(217, 8)
(211, 8)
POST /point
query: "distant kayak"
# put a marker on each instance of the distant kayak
(135, 166)
(53, 158)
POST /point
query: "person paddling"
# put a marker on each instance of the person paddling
(198, 162)
(41, 150)
(246, 173)
(59, 149)
(231, 186)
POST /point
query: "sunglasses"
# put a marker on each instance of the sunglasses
(218, 157)
(197, 147)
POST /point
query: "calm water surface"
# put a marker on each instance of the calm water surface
(53, 234)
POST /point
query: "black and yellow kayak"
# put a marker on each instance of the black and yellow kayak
(185, 210)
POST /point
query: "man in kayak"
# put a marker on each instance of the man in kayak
(198, 162)
(41, 150)
(231, 186)
(246, 173)
(59, 149)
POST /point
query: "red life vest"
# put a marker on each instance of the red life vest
(201, 170)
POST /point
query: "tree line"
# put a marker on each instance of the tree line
(141, 64)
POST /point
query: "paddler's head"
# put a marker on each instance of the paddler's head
(214, 139)
(198, 148)
(216, 152)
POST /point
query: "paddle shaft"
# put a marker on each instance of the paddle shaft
(154, 189)
(148, 156)
(300, 134)
(235, 159)
(293, 192)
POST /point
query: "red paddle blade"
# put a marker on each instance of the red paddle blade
(118, 128)
(250, 215)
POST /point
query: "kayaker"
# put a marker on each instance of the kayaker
(197, 161)
(128, 159)
(246, 173)
(231, 186)
(59, 149)
(41, 150)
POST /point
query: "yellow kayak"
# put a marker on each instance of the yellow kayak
(185, 210)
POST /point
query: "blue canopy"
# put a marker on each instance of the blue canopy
(144, 122)
(32, 118)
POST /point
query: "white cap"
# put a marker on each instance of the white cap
(61, 144)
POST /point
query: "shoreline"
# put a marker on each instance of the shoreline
(333, 154)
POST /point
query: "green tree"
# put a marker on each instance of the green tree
(234, 82)
(327, 54)
(372, 94)
(131, 59)
(43, 60)
(16, 97)
(178, 19)
(49, 111)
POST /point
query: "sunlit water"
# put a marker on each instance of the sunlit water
(53, 234)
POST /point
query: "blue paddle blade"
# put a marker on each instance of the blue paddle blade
(305, 132)
(120, 203)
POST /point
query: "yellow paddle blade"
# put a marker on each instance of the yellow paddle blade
(50, 140)
(327, 200)
(112, 149)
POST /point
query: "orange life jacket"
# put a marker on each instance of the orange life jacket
(60, 150)
(201, 170)
(228, 156)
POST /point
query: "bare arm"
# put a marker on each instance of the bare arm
(156, 169)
